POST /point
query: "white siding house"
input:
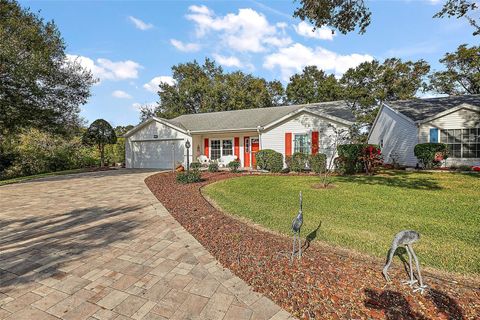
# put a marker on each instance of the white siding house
(455, 121)
(160, 143)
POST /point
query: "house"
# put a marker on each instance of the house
(160, 143)
(453, 120)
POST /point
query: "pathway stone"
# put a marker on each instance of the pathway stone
(100, 246)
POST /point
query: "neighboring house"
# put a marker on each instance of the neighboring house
(453, 120)
(160, 143)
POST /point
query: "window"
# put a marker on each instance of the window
(215, 149)
(301, 143)
(227, 147)
(462, 143)
(220, 148)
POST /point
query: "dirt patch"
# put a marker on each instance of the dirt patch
(324, 284)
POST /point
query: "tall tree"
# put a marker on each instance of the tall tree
(313, 85)
(206, 88)
(373, 82)
(39, 87)
(462, 74)
(99, 134)
(462, 9)
(343, 15)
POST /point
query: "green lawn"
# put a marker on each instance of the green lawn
(363, 213)
(42, 175)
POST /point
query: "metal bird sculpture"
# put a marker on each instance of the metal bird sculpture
(406, 238)
(296, 226)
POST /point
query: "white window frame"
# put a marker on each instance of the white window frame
(461, 142)
(221, 146)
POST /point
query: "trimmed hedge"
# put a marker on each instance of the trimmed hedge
(213, 166)
(431, 154)
(297, 162)
(318, 162)
(234, 165)
(191, 176)
(195, 165)
(269, 160)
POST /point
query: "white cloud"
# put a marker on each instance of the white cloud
(153, 84)
(121, 94)
(185, 47)
(139, 24)
(105, 69)
(231, 61)
(247, 31)
(295, 57)
(306, 30)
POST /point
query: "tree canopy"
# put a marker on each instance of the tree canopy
(373, 82)
(39, 87)
(99, 134)
(313, 85)
(461, 74)
(348, 15)
(207, 88)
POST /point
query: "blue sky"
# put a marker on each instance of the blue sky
(131, 45)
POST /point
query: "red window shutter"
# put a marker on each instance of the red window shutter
(288, 143)
(314, 142)
(236, 147)
(205, 147)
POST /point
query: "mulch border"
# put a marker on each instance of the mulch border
(323, 285)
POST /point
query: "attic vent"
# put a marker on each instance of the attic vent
(155, 136)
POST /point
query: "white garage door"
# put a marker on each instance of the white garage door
(157, 154)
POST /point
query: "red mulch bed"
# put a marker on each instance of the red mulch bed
(326, 283)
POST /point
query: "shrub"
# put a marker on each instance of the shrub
(269, 160)
(359, 157)
(213, 167)
(464, 167)
(195, 165)
(191, 176)
(371, 157)
(297, 162)
(318, 162)
(234, 165)
(430, 154)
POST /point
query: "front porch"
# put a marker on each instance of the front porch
(242, 145)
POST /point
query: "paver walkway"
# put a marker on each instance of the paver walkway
(100, 246)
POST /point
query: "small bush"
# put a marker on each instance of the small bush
(191, 176)
(213, 167)
(464, 167)
(195, 165)
(269, 160)
(430, 154)
(297, 162)
(318, 162)
(371, 157)
(234, 165)
(358, 157)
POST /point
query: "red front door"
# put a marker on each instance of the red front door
(246, 151)
(255, 146)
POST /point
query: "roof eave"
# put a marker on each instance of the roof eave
(448, 111)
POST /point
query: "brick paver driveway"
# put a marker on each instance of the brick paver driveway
(100, 246)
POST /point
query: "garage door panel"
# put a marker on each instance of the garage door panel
(157, 154)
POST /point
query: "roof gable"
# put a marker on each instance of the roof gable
(420, 110)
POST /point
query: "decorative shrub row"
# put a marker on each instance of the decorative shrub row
(430, 154)
(213, 166)
(360, 157)
(299, 162)
(269, 160)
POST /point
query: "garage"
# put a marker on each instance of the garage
(156, 144)
(157, 154)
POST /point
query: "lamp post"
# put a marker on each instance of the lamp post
(187, 145)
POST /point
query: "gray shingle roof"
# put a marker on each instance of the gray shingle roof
(252, 118)
(421, 109)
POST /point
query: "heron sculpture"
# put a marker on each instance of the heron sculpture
(406, 238)
(296, 226)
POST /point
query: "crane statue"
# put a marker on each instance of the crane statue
(406, 238)
(296, 226)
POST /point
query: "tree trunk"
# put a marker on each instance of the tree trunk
(102, 155)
